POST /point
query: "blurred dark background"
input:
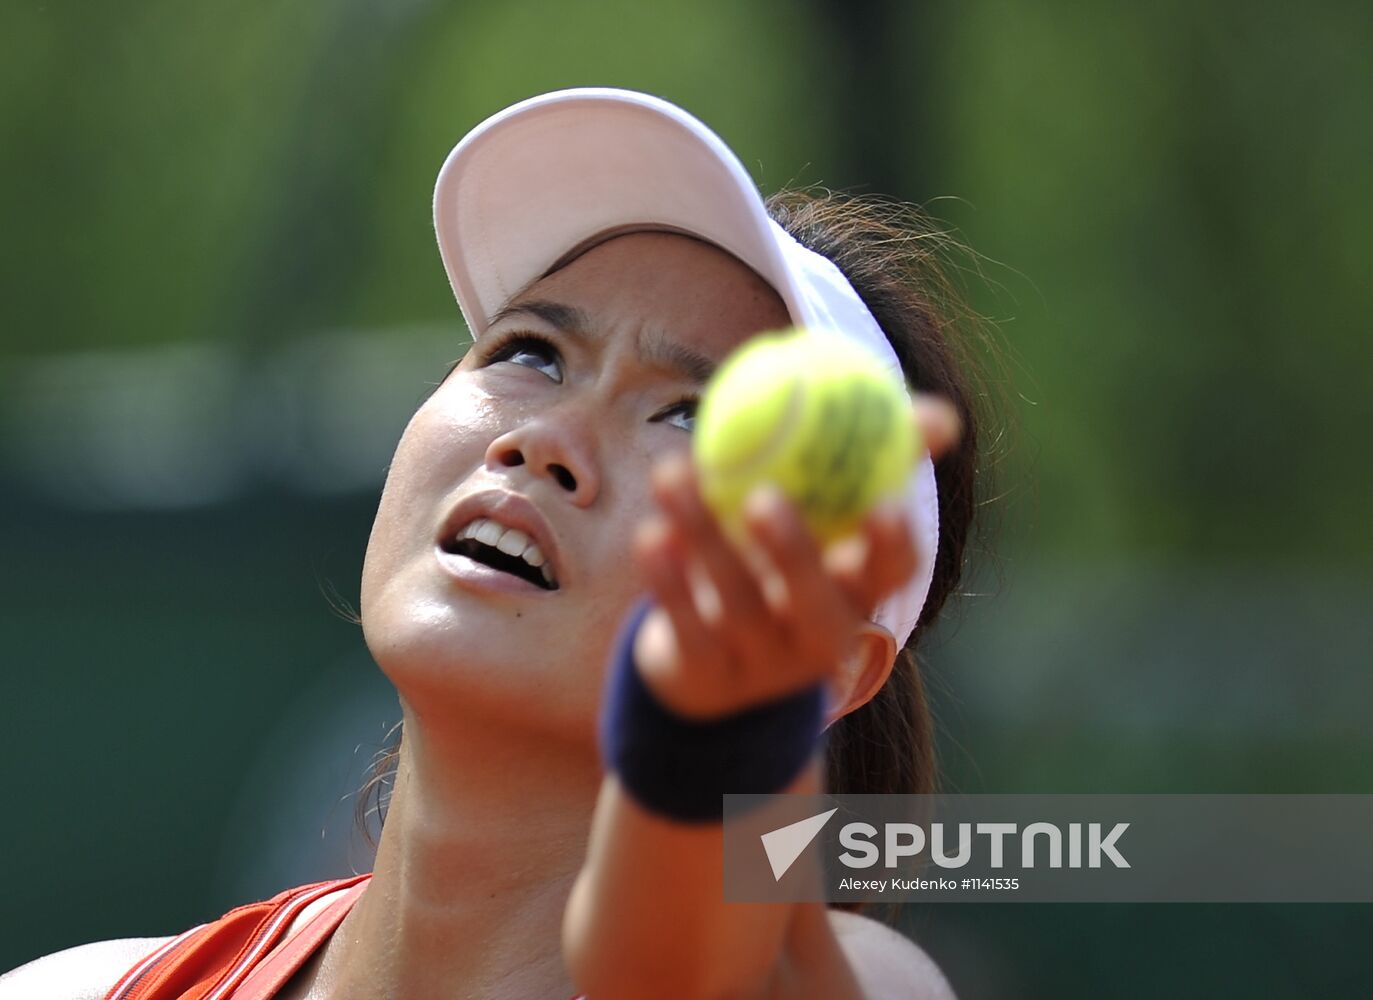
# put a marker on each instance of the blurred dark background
(222, 299)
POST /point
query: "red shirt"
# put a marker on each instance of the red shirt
(246, 954)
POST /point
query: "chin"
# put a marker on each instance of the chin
(464, 657)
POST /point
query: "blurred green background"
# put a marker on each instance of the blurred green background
(222, 299)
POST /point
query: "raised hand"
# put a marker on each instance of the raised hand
(740, 623)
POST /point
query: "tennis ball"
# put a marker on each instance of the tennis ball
(811, 413)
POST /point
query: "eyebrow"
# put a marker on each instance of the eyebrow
(655, 349)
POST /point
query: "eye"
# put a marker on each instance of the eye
(684, 407)
(530, 350)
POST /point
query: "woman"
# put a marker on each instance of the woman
(608, 251)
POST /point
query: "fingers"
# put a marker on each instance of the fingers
(872, 564)
(674, 486)
(660, 558)
(937, 423)
(811, 602)
(796, 587)
(741, 616)
(785, 610)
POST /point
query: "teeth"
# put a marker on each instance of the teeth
(511, 541)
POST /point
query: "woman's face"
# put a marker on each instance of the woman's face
(554, 430)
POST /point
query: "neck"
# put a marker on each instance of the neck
(486, 830)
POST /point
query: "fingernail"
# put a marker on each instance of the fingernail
(948, 427)
(764, 502)
(887, 509)
(670, 472)
(649, 532)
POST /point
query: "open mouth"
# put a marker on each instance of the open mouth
(505, 549)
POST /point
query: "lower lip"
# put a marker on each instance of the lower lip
(476, 576)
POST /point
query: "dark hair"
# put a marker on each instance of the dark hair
(899, 263)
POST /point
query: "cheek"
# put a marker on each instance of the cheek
(440, 446)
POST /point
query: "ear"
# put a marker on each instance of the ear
(863, 673)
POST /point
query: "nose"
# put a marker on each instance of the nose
(557, 445)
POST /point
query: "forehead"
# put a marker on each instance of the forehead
(677, 287)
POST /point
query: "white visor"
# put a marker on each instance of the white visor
(551, 173)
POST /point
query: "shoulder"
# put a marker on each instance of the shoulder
(85, 972)
(885, 961)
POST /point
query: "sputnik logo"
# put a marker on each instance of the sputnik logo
(785, 844)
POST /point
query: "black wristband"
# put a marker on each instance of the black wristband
(681, 768)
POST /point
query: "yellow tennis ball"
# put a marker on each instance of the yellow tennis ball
(811, 413)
